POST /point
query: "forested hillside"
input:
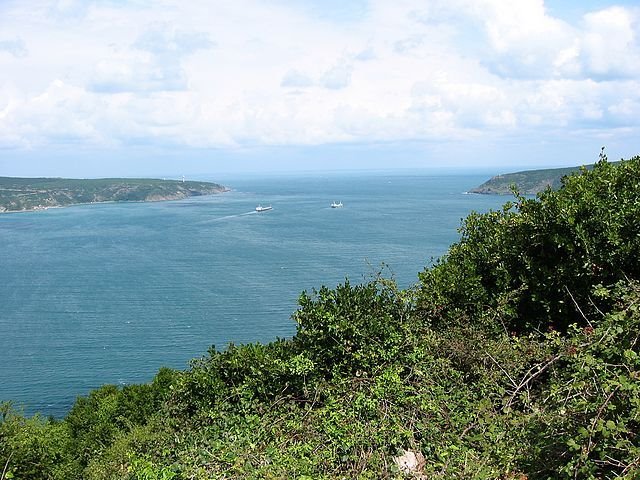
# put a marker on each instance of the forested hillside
(516, 356)
(528, 182)
(23, 194)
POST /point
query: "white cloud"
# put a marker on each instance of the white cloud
(224, 74)
(338, 76)
(294, 78)
(163, 40)
(365, 55)
(152, 63)
(611, 48)
(60, 114)
(15, 47)
(524, 40)
(137, 72)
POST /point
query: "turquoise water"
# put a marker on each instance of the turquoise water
(109, 293)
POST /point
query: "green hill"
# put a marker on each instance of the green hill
(529, 182)
(23, 194)
(515, 357)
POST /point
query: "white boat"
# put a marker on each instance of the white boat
(336, 205)
(260, 208)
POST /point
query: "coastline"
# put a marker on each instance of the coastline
(40, 208)
(20, 195)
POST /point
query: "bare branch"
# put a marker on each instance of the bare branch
(529, 376)
(503, 370)
(577, 306)
(6, 467)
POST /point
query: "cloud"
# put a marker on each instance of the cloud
(409, 44)
(16, 47)
(338, 76)
(610, 46)
(65, 9)
(466, 104)
(184, 73)
(294, 78)
(153, 63)
(163, 40)
(366, 54)
(137, 72)
(70, 11)
(46, 118)
(525, 41)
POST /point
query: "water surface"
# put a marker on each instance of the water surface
(109, 293)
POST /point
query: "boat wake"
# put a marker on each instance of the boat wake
(227, 217)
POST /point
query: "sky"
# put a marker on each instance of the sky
(172, 87)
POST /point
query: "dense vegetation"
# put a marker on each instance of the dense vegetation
(20, 194)
(516, 356)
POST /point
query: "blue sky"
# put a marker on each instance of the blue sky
(168, 87)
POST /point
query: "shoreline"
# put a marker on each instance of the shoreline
(41, 208)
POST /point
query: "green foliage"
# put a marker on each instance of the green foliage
(352, 329)
(33, 448)
(142, 469)
(531, 263)
(97, 420)
(593, 395)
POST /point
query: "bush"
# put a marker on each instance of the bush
(34, 448)
(529, 264)
(353, 329)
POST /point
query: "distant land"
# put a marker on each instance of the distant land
(529, 182)
(26, 194)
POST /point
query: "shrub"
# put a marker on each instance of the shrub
(353, 329)
(532, 262)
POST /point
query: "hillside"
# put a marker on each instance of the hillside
(515, 357)
(528, 182)
(24, 194)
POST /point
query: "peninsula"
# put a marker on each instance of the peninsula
(26, 194)
(529, 182)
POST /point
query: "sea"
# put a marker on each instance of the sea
(109, 293)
